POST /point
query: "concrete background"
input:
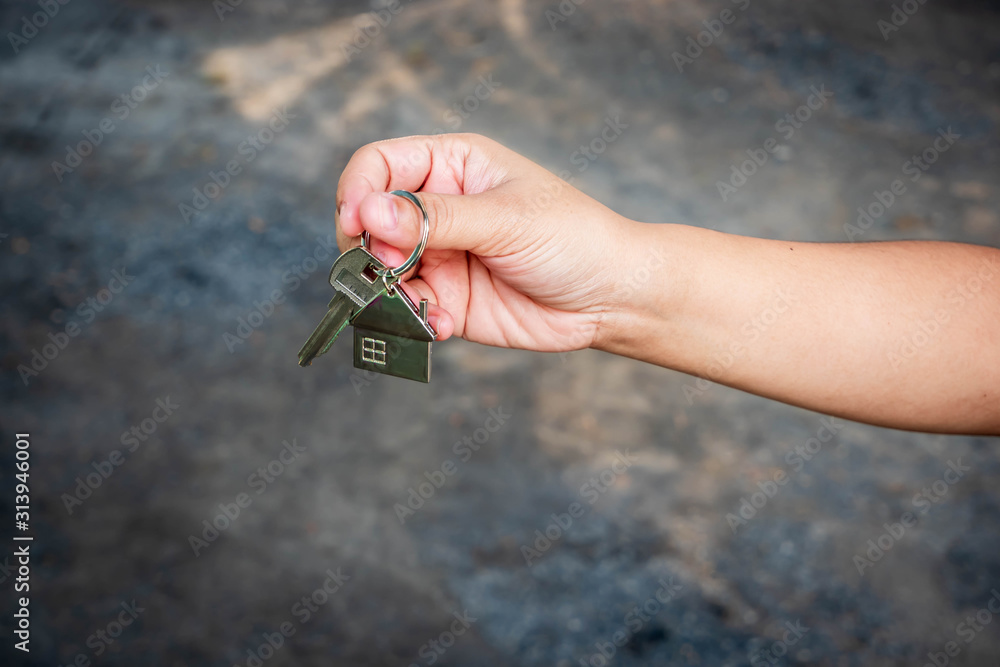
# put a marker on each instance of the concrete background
(364, 444)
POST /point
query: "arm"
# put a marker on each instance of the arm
(902, 334)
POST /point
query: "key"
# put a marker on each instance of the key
(338, 314)
(355, 277)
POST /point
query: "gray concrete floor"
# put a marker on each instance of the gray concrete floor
(365, 444)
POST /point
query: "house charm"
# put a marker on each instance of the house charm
(392, 336)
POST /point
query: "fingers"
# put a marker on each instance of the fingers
(457, 222)
(390, 256)
(345, 242)
(409, 163)
(454, 175)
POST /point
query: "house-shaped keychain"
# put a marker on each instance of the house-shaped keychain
(392, 336)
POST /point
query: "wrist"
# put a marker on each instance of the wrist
(650, 289)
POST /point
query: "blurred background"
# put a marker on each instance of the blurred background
(167, 188)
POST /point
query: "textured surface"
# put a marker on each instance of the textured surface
(185, 327)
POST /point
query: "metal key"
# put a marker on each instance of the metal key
(356, 278)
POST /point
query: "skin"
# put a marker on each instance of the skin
(899, 334)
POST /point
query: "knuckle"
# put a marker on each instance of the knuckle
(468, 137)
(469, 141)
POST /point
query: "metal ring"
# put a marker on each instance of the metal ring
(411, 261)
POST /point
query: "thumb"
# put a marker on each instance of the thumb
(457, 222)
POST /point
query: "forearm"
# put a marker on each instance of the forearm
(903, 334)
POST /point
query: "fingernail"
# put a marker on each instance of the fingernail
(387, 211)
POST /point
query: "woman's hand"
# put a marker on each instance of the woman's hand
(516, 257)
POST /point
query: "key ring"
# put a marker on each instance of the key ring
(391, 276)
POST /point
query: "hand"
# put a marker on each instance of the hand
(516, 257)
